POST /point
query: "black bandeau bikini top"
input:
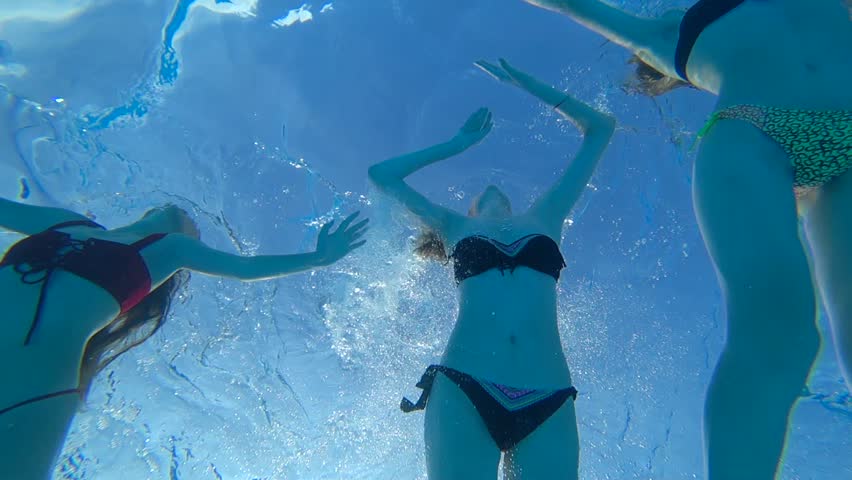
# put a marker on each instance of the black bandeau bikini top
(477, 254)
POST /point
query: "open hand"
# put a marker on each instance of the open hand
(332, 246)
(474, 129)
(495, 71)
(509, 74)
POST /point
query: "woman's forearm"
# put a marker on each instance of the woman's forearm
(621, 27)
(398, 168)
(583, 115)
(264, 267)
(588, 119)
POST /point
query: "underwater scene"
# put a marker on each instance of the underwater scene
(150, 147)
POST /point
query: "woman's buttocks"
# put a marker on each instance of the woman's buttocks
(507, 330)
(51, 361)
(18, 302)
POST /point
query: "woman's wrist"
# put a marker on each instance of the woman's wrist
(316, 259)
(456, 144)
(545, 93)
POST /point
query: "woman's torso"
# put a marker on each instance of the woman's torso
(784, 53)
(507, 329)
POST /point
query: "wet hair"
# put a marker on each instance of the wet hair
(430, 246)
(128, 330)
(647, 80)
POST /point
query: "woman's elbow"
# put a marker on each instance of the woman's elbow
(380, 177)
(376, 174)
(607, 125)
(602, 129)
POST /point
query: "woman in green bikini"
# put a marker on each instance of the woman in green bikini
(781, 138)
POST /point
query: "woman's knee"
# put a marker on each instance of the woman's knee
(774, 265)
(768, 262)
(785, 347)
(772, 314)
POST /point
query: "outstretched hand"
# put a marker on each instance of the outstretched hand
(474, 129)
(496, 72)
(332, 246)
(509, 74)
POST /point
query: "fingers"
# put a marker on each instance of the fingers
(358, 226)
(492, 70)
(478, 120)
(505, 66)
(546, 93)
(357, 232)
(348, 232)
(357, 245)
(486, 66)
(357, 235)
(512, 71)
(484, 122)
(482, 117)
(474, 121)
(488, 125)
(479, 115)
(345, 238)
(346, 221)
(325, 228)
(522, 79)
(345, 227)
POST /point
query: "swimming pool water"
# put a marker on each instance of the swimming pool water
(261, 117)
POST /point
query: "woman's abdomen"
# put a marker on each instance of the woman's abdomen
(507, 331)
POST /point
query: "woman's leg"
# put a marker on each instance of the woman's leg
(829, 228)
(551, 452)
(458, 446)
(747, 214)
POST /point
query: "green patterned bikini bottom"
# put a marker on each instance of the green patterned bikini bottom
(818, 142)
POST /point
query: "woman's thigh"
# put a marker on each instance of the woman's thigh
(829, 227)
(551, 452)
(458, 445)
(746, 210)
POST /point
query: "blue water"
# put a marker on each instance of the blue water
(265, 130)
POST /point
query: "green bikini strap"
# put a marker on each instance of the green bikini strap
(706, 128)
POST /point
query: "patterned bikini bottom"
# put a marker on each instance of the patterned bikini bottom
(818, 142)
(509, 413)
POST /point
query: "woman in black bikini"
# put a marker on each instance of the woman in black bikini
(503, 384)
(77, 295)
(780, 140)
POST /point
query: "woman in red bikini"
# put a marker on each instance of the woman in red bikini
(77, 295)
